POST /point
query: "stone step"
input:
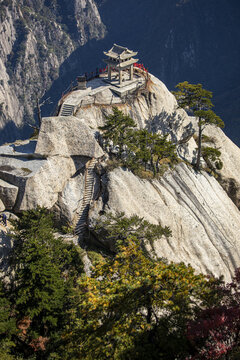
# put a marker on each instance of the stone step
(66, 110)
(87, 197)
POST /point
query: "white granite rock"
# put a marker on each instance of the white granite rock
(8, 194)
(39, 180)
(42, 189)
(67, 136)
(204, 221)
(70, 199)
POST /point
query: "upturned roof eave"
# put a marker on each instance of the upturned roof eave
(121, 65)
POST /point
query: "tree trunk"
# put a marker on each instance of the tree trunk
(149, 314)
(39, 113)
(157, 165)
(153, 166)
(199, 144)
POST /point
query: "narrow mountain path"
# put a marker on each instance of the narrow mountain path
(66, 110)
(87, 197)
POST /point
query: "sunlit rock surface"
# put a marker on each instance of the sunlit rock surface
(67, 136)
(204, 221)
(50, 172)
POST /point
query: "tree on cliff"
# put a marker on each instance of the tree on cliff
(117, 228)
(197, 101)
(117, 129)
(7, 326)
(139, 147)
(151, 148)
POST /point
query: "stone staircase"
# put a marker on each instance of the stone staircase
(66, 110)
(82, 214)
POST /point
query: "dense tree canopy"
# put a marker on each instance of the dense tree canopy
(118, 130)
(133, 306)
(43, 271)
(136, 148)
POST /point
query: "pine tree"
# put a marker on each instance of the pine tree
(117, 228)
(7, 326)
(196, 100)
(43, 269)
(117, 129)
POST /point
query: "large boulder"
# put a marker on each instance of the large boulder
(70, 199)
(67, 136)
(43, 188)
(39, 180)
(8, 194)
(203, 219)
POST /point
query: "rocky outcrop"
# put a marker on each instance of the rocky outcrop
(156, 108)
(8, 194)
(67, 136)
(52, 173)
(204, 221)
(70, 199)
(43, 187)
(36, 181)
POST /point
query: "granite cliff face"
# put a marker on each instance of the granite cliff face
(204, 221)
(53, 171)
(36, 37)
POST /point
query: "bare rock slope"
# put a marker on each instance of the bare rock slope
(203, 219)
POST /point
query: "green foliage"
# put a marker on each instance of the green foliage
(137, 149)
(207, 139)
(117, 228)
(208, 117)
(153, 148)
(134, 308)
(117, 130)
(94, 256)
(196, 100)
(68, 229)
(212, 156)
(45, 270)
(193, 97)
(7, 326)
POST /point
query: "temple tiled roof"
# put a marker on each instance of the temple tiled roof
(120, 52)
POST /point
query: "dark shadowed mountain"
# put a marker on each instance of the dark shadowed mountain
(194, 40)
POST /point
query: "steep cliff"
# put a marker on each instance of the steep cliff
(52, 171)
(36, 37)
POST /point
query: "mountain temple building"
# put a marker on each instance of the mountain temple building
(110, 86)
(120, 58)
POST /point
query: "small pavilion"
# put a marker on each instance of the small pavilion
(120, 58)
